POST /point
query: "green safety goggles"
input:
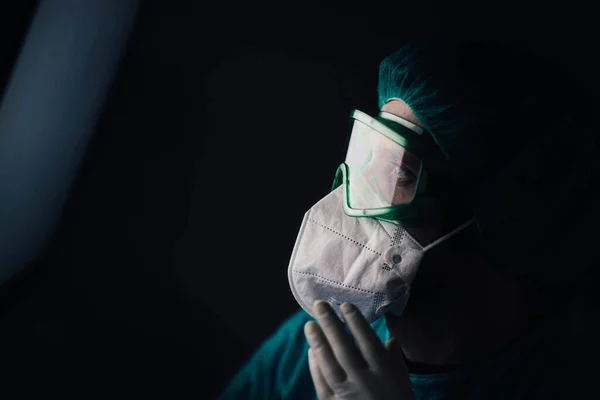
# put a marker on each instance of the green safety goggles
(391, 169)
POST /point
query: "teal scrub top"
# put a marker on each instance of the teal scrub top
(533, 367)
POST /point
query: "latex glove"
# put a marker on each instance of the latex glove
(341, 370)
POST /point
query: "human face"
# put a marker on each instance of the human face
(381, 166)
(433, 229)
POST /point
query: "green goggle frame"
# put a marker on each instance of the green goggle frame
(422, 146)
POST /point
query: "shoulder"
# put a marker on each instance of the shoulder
(278, 368)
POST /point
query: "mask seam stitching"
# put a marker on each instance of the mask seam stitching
(334, 282)
(382, 227)
(344, 236)
(395, 238)
(377, 303)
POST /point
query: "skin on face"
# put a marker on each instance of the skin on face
(433, 229)
(461, 309)
(402, 110)
(386, 168)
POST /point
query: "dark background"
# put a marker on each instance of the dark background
(225, 123)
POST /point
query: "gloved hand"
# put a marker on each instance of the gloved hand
(341, 370)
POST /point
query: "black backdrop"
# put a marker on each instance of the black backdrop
(224, 125)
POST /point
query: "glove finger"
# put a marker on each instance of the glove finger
(340, 341)
(396, 355)
(370, 346)
(399, 366)
(323, 354)
(323, 390)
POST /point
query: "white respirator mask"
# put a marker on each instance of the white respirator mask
(364, 261)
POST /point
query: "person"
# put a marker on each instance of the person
(470, 193)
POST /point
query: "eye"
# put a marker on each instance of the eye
(403, 173)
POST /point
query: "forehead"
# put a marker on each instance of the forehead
(366, 140)
(402, 110)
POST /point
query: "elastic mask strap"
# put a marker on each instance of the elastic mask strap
(448, 235)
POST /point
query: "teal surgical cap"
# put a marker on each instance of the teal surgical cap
(479, 99)
(521, 130)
